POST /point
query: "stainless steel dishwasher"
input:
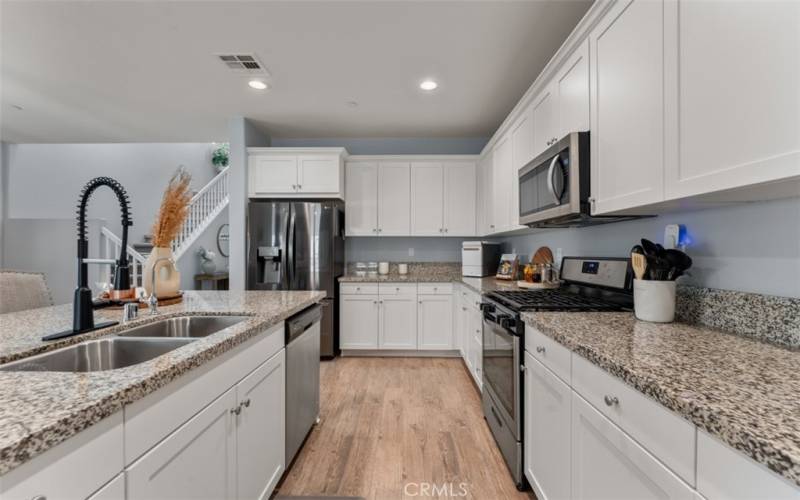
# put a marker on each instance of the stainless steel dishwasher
(302, 377)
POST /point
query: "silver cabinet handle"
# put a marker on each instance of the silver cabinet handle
(358, 289)
(39, 497)
(237, 410)
(380, 301)
(299, 187)
(397, 289)
(374, 302)
(540, 349)
(420, 302)
(523, 368)
(611, 400)
(246, 403)
(463, 308)
(445, 230)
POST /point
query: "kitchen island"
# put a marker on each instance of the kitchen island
(40, 410)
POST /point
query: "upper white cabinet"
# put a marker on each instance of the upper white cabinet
(737, 120)
(394, 202)
(485, 208)
(427, 186)
(392, 196)
(572, 89)
(502, 163)
(521, 153)
(296, 173)
(362, 199)
(627, 94)
(459, 198)
(545, 119)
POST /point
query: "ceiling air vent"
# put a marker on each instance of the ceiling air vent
(243, 63)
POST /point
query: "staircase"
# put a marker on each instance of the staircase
(204, 207)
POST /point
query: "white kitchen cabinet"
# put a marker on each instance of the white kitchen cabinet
(114, 490)
(548, 404)
(394, 198)
(358, 322)
(272, 174)
(476, 346)
(318, 174)
(261, 429)
(572, 88)
(502, 163)
(545, 119)
(361, 202)
(197, 461)
(627, 96)
(427, 186)
(435, 322)
(746, 130)
(296, 172)
(724, 473)
(485, 216)
(606, 463)
(398, 322)
(459, 198)
(521, 154)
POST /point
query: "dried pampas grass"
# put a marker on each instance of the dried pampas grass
(174, 207)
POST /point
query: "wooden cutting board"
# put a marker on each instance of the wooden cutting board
(543, 256)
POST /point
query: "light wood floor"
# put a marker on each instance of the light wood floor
(390, 424)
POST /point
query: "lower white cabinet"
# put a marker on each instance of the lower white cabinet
(197, 461)
(234, 448)
(548, 404)
(260, 429)
(398, 322)
(435, 322)
(606, 463)
(358, 322)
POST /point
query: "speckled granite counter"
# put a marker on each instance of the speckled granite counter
(432, 272)
(38, 410)
(745, 392)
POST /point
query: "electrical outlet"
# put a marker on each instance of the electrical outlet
(559, 256)
(674, 235)
(410, 252)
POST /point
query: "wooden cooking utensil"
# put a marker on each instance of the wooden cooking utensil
(639, 265)
(543, 256)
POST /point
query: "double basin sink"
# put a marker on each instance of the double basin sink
(128, 347)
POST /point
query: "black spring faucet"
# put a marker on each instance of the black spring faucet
(83, 306)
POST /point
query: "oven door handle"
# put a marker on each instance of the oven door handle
(551, 185)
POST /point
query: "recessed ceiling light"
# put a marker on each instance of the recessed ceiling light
(258, 84)
(428, 85)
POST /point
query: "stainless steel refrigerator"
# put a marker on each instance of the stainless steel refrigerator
(299, 245)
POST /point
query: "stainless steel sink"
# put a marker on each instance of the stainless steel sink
(184, 326)
(98, 355)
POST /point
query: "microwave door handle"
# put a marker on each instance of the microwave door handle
(550, 184)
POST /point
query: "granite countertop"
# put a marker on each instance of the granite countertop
(743, 391)
(39, 410)
(431, 272)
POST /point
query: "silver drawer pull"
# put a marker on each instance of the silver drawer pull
(237, 410)
(540, 349)
(611, 400)
(246, 403)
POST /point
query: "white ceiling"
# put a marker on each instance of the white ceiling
(145, 71)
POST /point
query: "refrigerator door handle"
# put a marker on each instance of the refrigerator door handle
(285, 253)
(290, 263)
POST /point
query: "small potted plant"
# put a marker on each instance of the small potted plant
(221, 156)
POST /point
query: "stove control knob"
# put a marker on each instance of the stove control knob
(507, 321)
(487, 307)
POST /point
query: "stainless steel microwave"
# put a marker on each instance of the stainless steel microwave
(554, 188)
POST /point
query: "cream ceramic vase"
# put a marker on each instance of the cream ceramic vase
(168, 279)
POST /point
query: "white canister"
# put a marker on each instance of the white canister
(402, 268)
(383, 268)
(654, 300)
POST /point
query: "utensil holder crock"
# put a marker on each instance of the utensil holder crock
(654, 301)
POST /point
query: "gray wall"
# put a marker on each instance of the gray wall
(189, 263)
(46, 179)
(29, 246)
(393, 145)
(3, 197)
(398, 249)
(751, 247)
(243, 134)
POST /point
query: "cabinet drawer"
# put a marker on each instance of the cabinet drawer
(73, 469)
(435, 288)
(548, 352)
(723, 472)
(405, 289)
(358, 288)
(470, 298)
(662, 432)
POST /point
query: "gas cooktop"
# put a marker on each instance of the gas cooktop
(554, 300)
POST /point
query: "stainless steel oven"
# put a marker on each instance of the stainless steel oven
(502, 383)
